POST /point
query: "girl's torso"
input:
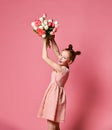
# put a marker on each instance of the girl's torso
(60, 78)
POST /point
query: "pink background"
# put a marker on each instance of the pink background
(24, 76)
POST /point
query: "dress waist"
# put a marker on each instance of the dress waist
(57, 84)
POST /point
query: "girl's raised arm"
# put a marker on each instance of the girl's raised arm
(45, 57)
(55, 47)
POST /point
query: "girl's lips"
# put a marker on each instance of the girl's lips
(59, 62)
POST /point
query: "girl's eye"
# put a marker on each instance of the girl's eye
(60, 55)
(64, 57)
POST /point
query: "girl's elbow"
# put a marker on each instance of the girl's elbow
(44, 57)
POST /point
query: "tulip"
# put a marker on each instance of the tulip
(50, 20)
(44, 15)
(41, 19)
(35, 27)
(49, 24)
(55, 30)
(33, 24)
(40, 31)
(46, 27)
(45, 22)
(56, 25)
(52, 33)
(53, 25)
(37, 22)
(41, 27)
(56, 22)
(44, 35)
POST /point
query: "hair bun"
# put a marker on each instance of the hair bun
(77, 52)
(70, 46)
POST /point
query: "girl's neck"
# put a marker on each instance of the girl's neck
(67, 66)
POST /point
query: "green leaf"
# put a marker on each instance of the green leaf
(35, 31)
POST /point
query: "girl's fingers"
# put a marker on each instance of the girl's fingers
(48, 43)
(51, 37)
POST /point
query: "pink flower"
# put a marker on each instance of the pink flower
(37, 22)
(53, 25)
(45, 15)
(44, 35)
(52, 33)
(40, 31)
(55, 30)
(45, 27)
(32, 24)
(56, 22)
(49, 24)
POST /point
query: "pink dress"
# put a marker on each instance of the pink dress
(53, 105)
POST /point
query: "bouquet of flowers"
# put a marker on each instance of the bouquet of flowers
(45, 27)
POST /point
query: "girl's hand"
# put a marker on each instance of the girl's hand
(47, 41)
(51, 37)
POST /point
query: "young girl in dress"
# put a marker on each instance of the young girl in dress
(53, 105)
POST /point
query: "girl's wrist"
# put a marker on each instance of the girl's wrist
(52, 40)
(44, 40)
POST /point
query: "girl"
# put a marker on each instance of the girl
(53, 105)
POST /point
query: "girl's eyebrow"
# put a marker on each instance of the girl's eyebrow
(65, 57)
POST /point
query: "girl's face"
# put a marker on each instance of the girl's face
(64, 58)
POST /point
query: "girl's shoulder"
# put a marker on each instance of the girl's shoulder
(66, 69)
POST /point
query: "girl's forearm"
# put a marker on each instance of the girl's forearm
(55, 47)
(44, 50)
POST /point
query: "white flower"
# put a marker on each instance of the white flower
(56, 22)
(56, 25)
(34, 27)
(52, 33)
(45, 22)
(44, 35)
(41, 27)
(44, 15)
(41, 19)
(46, 27)
(54, 30)
(33, 24)
(50, 20)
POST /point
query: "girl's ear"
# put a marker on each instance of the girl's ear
(70, 62)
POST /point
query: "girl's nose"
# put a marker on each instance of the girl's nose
(61, 57)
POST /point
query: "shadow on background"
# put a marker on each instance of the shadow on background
(91, 94)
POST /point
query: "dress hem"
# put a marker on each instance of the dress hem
(61, 121)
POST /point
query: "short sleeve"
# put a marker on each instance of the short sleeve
(64, 69)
